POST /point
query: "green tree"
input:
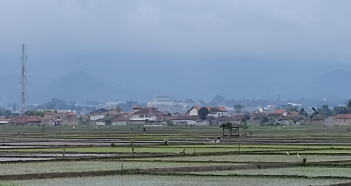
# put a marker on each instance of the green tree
(238, 108)
(246, 117)
(272, 121)
(169, 123)
(118, 109)
(82, 121)
(203, 113)
(36, 113)
(264, 120)
(315, 112)
(109, 119)
(292, 108)
(227, 125)
(303, 112)
(348, 105)
(244, 125)
(325, 110)
(340, 110)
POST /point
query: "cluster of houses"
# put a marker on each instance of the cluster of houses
(217, 116)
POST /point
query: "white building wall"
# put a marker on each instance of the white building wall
(188, 122)
(202, 123)
(193, 112)
(218, 114)
(100, 123)
(96, 117)
(137, 117)
(119, 123)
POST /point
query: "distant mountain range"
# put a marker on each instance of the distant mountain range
(81, 87)
(196, 81)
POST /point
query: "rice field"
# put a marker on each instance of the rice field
(139, 180)
(144, 149)
(297, 171)
(84, 166)
(256, 158)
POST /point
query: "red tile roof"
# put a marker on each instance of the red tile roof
(294, 113)
(343, 116)
(70, 114)
(151, 111)
(279, 111)
(26, 119)
(125, 117)
(221, 108)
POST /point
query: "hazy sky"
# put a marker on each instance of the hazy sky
(129, 38)
(313, 30)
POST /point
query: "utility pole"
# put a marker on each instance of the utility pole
(23, 81)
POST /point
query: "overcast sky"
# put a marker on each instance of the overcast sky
(110, 39)
(299, 30)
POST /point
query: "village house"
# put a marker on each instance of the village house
(122, 119)
(70, 119)
(343, 120)
(329, 122)
(284, 117)
(215, 111)
(318, 120)
(98, 114)
(52, 119)
(148, 115)
(27, 120)
(4, 121)
(60, 119)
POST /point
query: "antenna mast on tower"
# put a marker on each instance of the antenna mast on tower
(23, 81)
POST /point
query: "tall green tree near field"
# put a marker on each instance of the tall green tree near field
(348, 105)
(325, 110)
(203, 113)
(36, 113)
(82, 121)
(238, 108)
(340, 110)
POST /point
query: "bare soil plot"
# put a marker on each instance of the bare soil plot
(298, 171)
(252, 158)
(138, 180)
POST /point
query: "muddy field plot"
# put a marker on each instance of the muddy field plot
(139, 180)
(251, 158)
(147, 149)
(296, 171)
(84, 166)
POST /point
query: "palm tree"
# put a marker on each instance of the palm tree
(315, 112)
